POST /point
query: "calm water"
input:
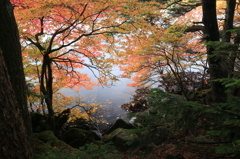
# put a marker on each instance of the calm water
(112, 97)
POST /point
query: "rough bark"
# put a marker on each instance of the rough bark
(14, 140)
(13, 87)
(216, 68)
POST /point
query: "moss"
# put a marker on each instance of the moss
(119, 137)
(46, 141)
(110, 136)
(47, 137)
(41, 147)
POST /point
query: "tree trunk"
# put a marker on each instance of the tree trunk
(13, 101)
(14, 140)
(46, 81)
(216, 68)
(228, 24)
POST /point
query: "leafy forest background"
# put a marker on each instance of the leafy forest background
(182, 56)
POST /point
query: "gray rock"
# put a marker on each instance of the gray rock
(120, 123)
(119, 137)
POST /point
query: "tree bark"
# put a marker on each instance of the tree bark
(16, 134)
(228, 24)
(216, 69)
(14, 140)
(46, 81)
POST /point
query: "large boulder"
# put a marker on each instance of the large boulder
(40, 146)
(120, 123)
(46, 141)
(78, 137)
(119, 137)
(84, 124)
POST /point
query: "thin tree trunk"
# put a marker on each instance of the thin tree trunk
(216, 68)
(228, 24)
(46, 89)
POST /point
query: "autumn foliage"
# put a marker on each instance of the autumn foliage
(188, 49)
(60, 37)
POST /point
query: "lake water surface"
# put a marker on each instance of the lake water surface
(111, 97)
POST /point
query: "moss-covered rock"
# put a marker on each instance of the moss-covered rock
(41, 147)
(77, 137)
(119, 137)
(120, 123)
(46, 141)
(47, 137)
(84, 124)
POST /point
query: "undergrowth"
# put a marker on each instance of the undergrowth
(212, 130)
(89, 151)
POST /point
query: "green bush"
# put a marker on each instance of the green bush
(168, 113)
(171, 119)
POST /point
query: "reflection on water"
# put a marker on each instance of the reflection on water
(112, 97)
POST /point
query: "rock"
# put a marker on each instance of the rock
(119, 137)
(132, 120)
(40, 146)
(47, 137)
(97, 134)
(78, 137)
(46, 141)
(120, 123)
(83, 124)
